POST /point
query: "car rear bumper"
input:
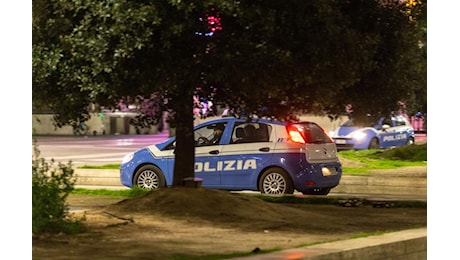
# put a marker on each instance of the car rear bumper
(342, 147)
(316, 177)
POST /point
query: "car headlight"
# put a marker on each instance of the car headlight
(359, 136)
(331, 133)
(127, 158)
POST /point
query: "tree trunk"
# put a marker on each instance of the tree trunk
(184, 164)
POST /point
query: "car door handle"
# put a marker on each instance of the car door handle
(214, 152)
(265, 149)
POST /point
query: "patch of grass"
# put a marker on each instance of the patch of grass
(412, 155)
(103, 167)
(129, 193)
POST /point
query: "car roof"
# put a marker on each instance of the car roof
(253, 120)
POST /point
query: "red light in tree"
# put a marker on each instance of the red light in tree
(213, 21)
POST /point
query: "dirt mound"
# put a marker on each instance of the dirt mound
(216, 206)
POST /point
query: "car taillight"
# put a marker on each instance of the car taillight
(295, 135)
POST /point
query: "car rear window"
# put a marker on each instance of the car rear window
(313, 133)
(251, 133)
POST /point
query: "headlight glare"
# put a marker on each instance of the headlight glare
(127, 158)
(359, 136)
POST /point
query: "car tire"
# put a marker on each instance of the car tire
(149, 177)
(374, 143)
(318, 191)
(275, 181)
(410, 141)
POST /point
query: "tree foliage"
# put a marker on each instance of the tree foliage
(398, 70)
(297, 57)
(274, 58)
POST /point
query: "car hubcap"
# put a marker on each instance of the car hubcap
(148, 180)
(274, 184)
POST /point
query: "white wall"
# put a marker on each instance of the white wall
(116, 123)
(113, 123)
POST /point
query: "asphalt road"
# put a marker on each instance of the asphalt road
(93, 150)
(421, 138)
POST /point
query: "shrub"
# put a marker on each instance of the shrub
(50, 188)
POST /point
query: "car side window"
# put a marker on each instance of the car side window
(387, 121)
(209, 135)
(251, 133)
(170, 146)
(400, 121)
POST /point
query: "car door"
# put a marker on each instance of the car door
(208, 149)
(386, 132)
(249, 149)
(402, 130)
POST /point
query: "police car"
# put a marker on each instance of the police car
(237, 154)
(388, 132)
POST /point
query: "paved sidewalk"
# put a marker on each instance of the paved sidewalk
(405, 245)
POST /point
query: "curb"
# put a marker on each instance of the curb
(95, 177)
(380, 184)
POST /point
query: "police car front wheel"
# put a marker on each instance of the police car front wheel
(410, 141)
(374, 144)
(276, 181)
(149, 177)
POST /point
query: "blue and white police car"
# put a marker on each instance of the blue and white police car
(238, 154)
(388, 132)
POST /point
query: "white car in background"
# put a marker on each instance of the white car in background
(388, 132)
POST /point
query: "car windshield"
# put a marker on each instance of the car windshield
(392, 121)
(359, 123)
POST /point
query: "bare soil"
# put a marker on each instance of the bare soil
(191, 223)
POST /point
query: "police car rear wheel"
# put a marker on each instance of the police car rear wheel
(149, 177)
(276, 181)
